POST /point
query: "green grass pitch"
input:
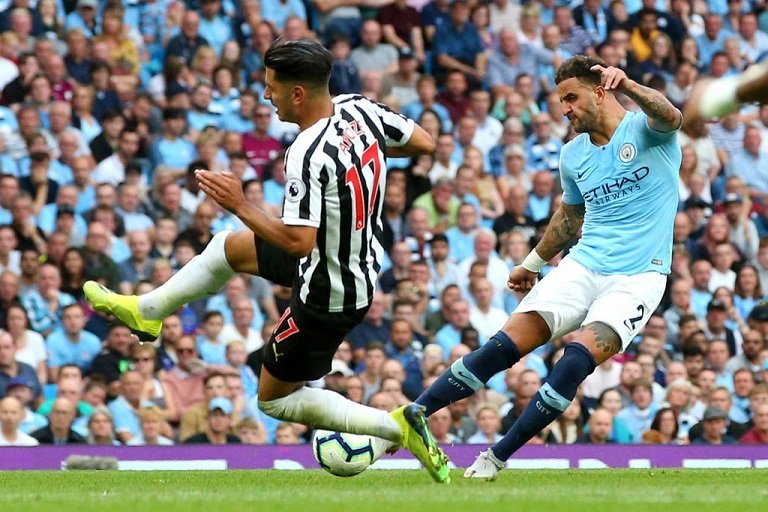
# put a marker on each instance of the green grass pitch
(622, 490)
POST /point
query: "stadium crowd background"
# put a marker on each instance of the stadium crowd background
(109, 107)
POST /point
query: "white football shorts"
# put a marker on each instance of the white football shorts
(572, 296)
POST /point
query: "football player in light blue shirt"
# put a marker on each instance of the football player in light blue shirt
(619, 177)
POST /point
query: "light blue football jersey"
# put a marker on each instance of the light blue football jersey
(630, 191)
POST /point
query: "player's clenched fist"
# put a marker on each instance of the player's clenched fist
(521, 279)
(613, 78)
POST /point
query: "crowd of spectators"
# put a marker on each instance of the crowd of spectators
(109, 107)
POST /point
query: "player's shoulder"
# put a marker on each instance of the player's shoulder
(345, 99)
(576, 144)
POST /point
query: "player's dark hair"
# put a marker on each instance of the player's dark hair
(580, 67)
(304, 61)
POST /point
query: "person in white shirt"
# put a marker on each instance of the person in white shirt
(240, 329)
(112, 169)
(483, 316)
(10, 258)
(723, 257)
(11, 414)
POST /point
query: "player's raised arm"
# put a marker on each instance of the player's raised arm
(662, 114)
(563, 227)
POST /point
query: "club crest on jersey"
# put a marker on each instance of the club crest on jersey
(295, 190)
(627, 152)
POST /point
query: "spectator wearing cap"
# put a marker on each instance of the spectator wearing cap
(713, 426)
(46, 302)
(219, 424)
(716, 328)
(748, 161)
(11, 416)
(84, 18)
(720, 397)
(70, 343)
(742, 230)
(171, 148)
(59, 431)
(401, 85)
(758, 318)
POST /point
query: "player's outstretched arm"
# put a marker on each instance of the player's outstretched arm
(420, 143)
(227, 190)
(662, 115)
(564, 227)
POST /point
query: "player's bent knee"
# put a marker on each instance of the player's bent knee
(241, 252)
(601, 340)
(278, 408)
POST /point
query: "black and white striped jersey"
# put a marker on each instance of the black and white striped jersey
(335, 179)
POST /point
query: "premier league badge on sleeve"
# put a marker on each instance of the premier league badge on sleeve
(627, 152)
(295, 190)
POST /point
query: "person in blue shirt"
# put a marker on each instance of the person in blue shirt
(172, 149)
(619, 177)
(71, 344)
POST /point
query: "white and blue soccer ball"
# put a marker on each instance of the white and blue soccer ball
(342, 454)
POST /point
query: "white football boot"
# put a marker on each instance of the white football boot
(486, 467)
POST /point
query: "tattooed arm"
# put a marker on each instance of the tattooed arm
(564, 227)
(662, 115)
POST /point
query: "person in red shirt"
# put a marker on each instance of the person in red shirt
(759, 433)
(258, 146)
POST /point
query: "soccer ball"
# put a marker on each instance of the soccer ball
(342, 454)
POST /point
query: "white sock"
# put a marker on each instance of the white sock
(204, 275)
(321, 408)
